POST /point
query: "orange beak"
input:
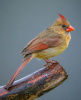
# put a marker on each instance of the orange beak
(70, 28)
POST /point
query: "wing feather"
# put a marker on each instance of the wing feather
(41, 44)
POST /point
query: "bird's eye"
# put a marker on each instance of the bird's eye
(63, 25)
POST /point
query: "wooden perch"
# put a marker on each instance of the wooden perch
(35, 84)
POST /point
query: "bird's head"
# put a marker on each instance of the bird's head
(62, 25)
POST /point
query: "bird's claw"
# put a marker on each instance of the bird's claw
(51, 62)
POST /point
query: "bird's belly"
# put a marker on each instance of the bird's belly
(49, 53)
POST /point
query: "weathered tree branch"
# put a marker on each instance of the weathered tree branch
(35, 84)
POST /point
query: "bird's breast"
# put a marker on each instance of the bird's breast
(49, 53)
(53, 51)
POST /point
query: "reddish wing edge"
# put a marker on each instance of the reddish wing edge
(42, 45)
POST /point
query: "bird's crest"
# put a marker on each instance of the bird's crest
(62, 17)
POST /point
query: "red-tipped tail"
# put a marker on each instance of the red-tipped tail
(17, 72)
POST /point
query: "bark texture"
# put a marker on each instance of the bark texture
(35, 84)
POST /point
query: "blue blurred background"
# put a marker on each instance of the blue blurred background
(21, 21)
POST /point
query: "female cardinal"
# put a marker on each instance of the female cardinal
(49, 43)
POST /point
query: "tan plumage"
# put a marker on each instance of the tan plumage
(49, 43)
(59, 39)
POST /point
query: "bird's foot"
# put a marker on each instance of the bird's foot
(50, 62)
(54, 62)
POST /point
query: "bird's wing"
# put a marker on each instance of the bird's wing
(25, 48)
(41, 44)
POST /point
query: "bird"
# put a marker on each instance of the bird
(49, 43)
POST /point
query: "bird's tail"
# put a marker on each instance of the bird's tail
(8, 85)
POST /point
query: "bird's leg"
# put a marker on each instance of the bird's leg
(53, 61)
(50, 62)
(47, 62)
